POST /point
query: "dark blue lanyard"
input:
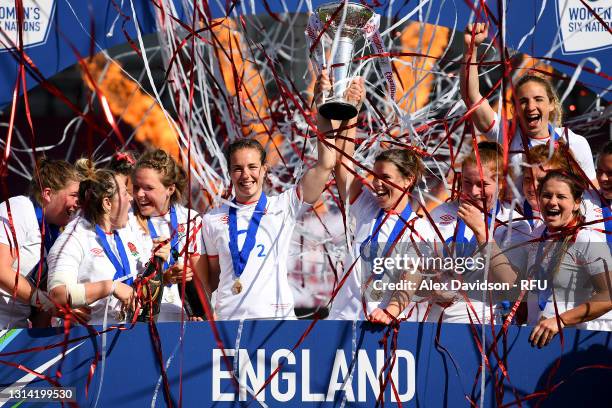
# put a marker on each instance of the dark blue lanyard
(173, 234)
(528, 213)
(240, 257)
(467, 247)
(551, 131)
(542, 273)
(121, 268)
(51, 231)
(373, 239)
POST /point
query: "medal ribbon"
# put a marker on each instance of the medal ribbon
(240, 257)
(121, 268)
(51, 231)
(174, 242)
(373, 239)
(528, 213)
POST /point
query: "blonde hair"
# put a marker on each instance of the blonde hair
(557, 113)
(53, 174)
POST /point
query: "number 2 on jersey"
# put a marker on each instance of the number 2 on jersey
(261, 253)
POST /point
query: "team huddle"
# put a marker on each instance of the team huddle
(80, 244)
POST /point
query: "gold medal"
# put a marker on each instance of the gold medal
(376, 295)
(237, 287)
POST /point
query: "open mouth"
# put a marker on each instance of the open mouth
(533, 120)
(552, 213)
(381, 193)
(247, 183)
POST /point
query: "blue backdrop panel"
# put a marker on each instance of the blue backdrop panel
(81, 22)
(426, 374)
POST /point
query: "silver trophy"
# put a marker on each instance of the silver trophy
(347, 25)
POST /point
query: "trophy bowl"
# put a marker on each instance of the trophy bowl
(348, 31)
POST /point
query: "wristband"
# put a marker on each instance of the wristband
(76, 294)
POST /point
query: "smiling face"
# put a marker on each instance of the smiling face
(386, 175)
(535, 109)
(120, 203)
(472, 187)
(152, 197)
(247, 174)
(557, 204)
(61, 205)
(604, 175)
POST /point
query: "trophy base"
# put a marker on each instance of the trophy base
(338, 110)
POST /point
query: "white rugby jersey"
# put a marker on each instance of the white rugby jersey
(347, 305)
(78, 253)
(572, 283)
(266, 293)
(171, 306)
(591, 206)
(506, 236)
(14, 313)
(578, 145)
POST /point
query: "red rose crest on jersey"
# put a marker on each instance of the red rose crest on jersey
(224, 219)
(181, 229)
(598, 210)
(97, 251)
(132, 249)
(446, 219)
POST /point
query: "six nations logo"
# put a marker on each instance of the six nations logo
(37, 20)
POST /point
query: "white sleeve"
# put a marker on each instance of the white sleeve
(64, 260)
(208, 241)
(593, 252)
(492, 133)
(18, 221)
(362, 206)
(294, 200)
(584, 156)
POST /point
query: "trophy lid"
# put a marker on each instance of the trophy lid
(357, 15)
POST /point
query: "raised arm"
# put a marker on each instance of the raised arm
(315, 178)
(470, 88)
(345, 142)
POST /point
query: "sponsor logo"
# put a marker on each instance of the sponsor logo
(37, 17)
(97, 251)
(446, 219)
(580, 30)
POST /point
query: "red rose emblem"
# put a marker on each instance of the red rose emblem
(181, 229)
(132, 249)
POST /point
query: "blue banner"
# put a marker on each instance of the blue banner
(426, 373)
(566, 33)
